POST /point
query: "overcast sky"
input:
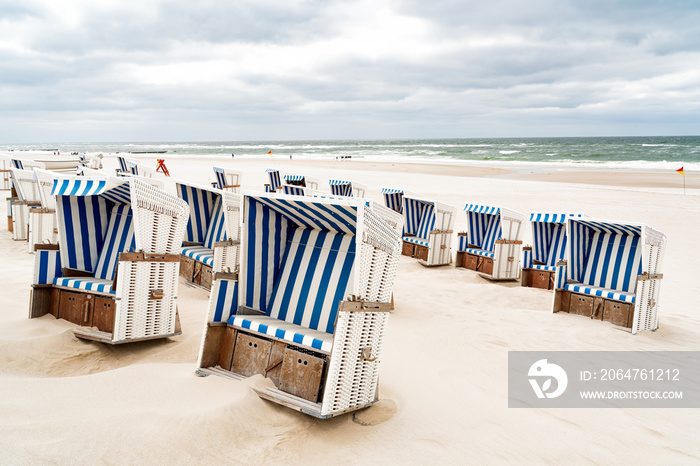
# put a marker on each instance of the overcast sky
(193, 70)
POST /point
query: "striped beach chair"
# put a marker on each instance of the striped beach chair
(116, 270)
(309, 306)
(393, 199)
(302, 181)
(123, 166)
(212, 239)
(347, 188)
(612, 272)
(428, 231)
(275, 184)
(227, 180)
(493, 242)
(27, 199)
(549, 244)
(139, 169)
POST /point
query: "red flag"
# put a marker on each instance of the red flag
(269, 153)
(680, 170)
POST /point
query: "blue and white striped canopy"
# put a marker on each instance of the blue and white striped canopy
(552, 218)
(338, 182)
(293, 177)
(482, 209)
(614, 228)
(391, 191)
(316, 215)
(112, 189)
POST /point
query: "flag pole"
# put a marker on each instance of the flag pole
(680, 170)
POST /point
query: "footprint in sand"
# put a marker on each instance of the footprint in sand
(379, 412)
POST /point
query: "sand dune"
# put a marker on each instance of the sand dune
(443, 384)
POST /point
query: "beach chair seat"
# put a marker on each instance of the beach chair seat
(600, 292)
(492, 244)
(86, 284)
(416, 240)
(287, 331)
(479, 252)
(546, 268)
(309, 305)
(200, 253)
(96, 278)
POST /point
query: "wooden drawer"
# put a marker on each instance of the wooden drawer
(541, 279)
(565, 300)
(618, 313)
(408, 249)
(301, 374)
(103, 314)
(421, 252)
(76, 307)
(227, 344)
(581, 305)
(251, 355)
(470, 261)
(186, 267)
(206, 277)
(197, 274)
(485, 265)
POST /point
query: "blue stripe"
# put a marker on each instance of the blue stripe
(306, 284)
(251, 264)
(342, 286)
(298, 257)
(43, 267)
(325, 280)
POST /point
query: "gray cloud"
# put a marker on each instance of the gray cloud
(314, 69)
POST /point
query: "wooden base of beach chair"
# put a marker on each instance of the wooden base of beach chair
(408, 249)
(95, 334)
(609, 310)
(534, 278)
(195, 272)
(295, 371)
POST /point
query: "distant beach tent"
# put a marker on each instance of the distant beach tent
(116, 268)
(347, 188)
(549, 244)
(612, 272)
(28, 199)
(227, 180)
(211, 239)
(309, 307)
(301, 180)
(428, 231)
(275, 180)
(393, 199)
(493, 242)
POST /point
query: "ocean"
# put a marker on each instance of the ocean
(653, 153)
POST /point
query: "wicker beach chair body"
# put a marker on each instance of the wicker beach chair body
(548, 247)
(493, 242)
(213, 231)
(612, 271)
(227, 180)
(428, 229)
(27, 200)
(116, 270)
(310, 304)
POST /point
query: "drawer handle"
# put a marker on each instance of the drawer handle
(156, 294)
(86, 313)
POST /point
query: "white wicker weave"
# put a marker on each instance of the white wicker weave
(160, 219)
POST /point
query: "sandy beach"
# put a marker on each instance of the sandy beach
(443, 383)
